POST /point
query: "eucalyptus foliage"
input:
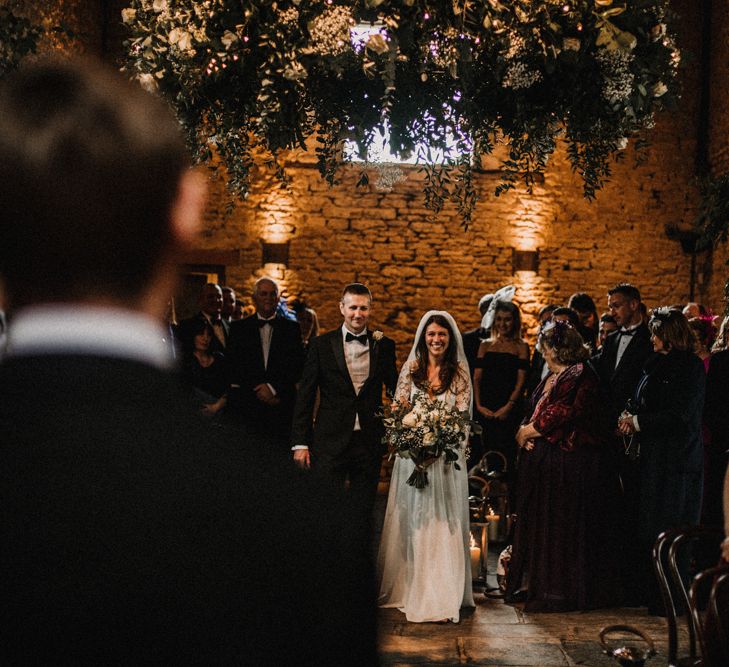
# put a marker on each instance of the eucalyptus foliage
(252, 76)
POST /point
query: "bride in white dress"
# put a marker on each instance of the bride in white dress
(424, 559)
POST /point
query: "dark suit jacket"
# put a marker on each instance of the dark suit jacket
(184, 333)
(132, 535)
(669, 402)
(325, 370)
(619, 383)
(285, 360)
(471, 341)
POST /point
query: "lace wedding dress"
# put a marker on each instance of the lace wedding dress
(423, 563)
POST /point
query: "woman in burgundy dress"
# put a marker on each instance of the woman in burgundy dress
(565, 542)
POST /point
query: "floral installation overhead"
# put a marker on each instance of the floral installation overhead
(446, 79)
(18, 38)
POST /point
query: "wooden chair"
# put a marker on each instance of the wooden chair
(712, 626)
(667, 550)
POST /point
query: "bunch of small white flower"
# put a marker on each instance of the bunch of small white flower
(519, 75)
(330, 32)
(618, 80)
(388, 176)
(289, 18)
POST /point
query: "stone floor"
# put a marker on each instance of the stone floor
(499, 634)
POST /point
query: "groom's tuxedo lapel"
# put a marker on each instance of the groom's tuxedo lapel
(338, 349)
(374, 352)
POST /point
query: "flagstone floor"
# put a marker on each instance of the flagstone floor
(499, 634)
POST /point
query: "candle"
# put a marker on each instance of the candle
(493, 520)
(475, 559)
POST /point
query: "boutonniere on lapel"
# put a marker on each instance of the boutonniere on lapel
(377, 336)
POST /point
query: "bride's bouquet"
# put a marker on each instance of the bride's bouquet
(423, 432)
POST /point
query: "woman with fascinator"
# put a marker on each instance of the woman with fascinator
(563, 555)
(664, 427)
(500, 373)
(424, 560)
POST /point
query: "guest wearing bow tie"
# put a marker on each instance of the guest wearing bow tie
(265, 356)
(348, 367)
(619, 363)
(210, 302)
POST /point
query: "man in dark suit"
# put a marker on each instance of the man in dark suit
(210, 302)
(130, 535)
(348, 367)
(619, 363)
(472, 339)
(265, 355)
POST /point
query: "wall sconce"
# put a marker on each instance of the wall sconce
(274, 253)
(524, 260)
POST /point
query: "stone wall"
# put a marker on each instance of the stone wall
(719, 133)
(413, 263)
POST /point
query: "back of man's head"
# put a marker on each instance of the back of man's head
(90, 166)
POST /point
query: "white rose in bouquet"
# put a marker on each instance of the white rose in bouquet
(410, 420)
(429, 438)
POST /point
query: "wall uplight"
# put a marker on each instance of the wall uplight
(524, 260)
(274, 253)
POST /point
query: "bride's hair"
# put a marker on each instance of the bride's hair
(449, 370)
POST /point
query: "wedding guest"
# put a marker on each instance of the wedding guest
(725, 543)
(693, 309)
(131, 534)
(704, 331)
(210, 302)
(563, 551)
(473, 338)
(228, 308)
(585, 308)
(666, 423)
(239, 311)
(501, 368)
(566, 314)
(619, 363)
(424, 563)
(607, 326)
(538, 368)
(716, 419)
(266, 357)
(206, 372)
(307, 319)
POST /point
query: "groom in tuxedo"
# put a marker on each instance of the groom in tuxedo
(348, 367)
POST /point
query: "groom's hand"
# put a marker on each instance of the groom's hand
(302, 458)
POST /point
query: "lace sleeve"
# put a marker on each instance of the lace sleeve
(462, 389)
(404, 384)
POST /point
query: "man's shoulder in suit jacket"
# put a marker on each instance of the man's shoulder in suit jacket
(133, 532)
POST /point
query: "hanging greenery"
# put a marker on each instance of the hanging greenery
(712, 222)
(446, 79)
(18, 38)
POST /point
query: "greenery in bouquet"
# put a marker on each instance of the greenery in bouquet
(446, 79)
(423, 432)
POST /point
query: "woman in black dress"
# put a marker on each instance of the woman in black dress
(206, 372)
(498, 380)
(666, 422)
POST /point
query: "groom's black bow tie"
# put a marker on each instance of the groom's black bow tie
(627, 332)
(362, 338)
(263, 323)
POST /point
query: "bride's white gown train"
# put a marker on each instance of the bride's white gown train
(424, 563)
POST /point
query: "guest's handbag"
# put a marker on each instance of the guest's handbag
(631, 444)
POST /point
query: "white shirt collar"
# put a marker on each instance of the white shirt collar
(89, 330)
(266, 319)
